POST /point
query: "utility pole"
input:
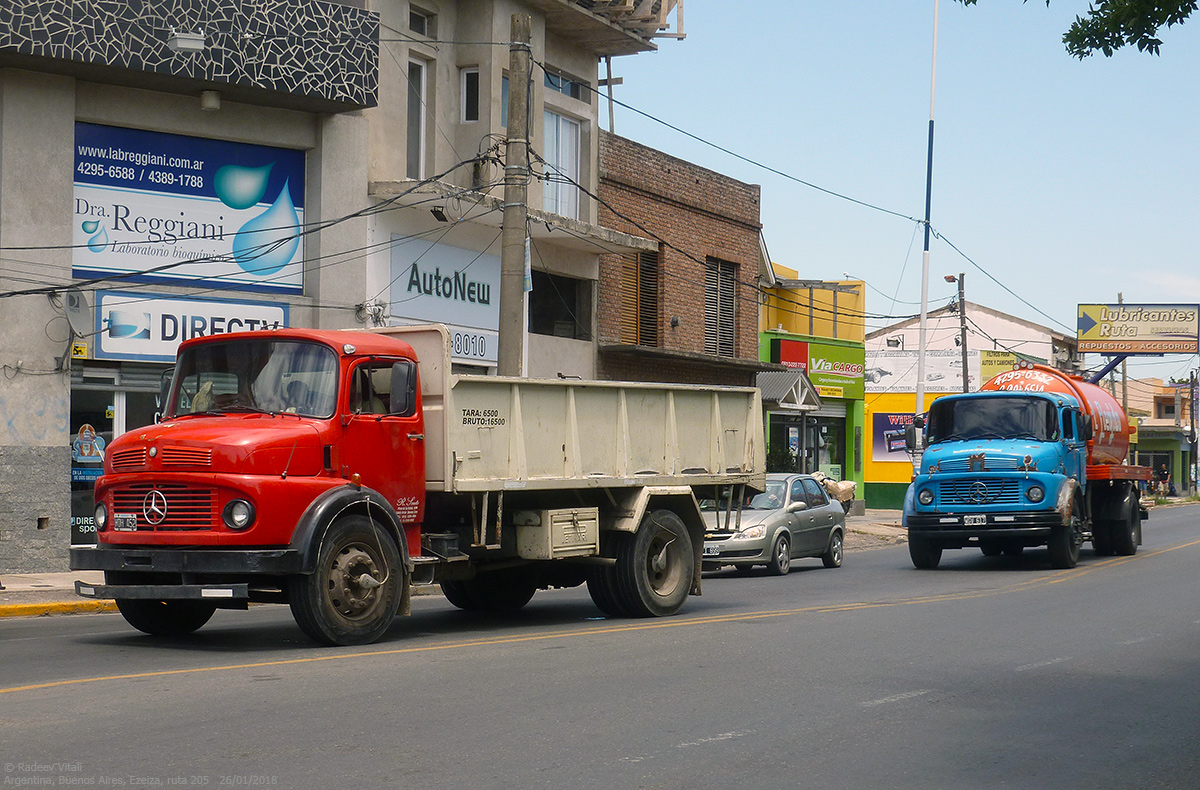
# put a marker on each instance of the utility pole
(962, 328)
(513, 321)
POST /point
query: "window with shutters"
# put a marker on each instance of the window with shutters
(639, 299)
(720, 289)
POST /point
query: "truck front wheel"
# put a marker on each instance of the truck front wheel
(165, 618)
(1064, 544)
(354, 595)
(656, 567)
(925, 556)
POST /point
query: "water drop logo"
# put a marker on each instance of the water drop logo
(241, 187)
(97, 242)
(266, 243)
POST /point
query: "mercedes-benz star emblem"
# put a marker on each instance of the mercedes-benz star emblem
(154, 507)
(979, 494)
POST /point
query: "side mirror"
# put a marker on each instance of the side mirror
(164, 390)
(911, 435)
(1086, 428)
(796, 507)
(404, 389)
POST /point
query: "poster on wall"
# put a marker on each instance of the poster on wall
(896, 370)
(440, 283)
(887, 436)
(187, 210)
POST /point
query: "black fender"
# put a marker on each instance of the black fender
(337, 502)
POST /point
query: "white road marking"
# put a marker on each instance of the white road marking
(896, 698)
(1040, 664)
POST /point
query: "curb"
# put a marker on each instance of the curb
(60, 607)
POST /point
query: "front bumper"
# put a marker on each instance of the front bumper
(727, 551)
(951, 530)
(188, 574)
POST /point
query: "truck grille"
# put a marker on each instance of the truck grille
(187, 507)
(990, 464)
(186, 456)
(980, 491)
(124, 460)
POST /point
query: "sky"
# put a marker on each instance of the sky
(1056, 181)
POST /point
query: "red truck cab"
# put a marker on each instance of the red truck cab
(266, 439)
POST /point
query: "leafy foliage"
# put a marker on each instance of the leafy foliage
(1112, 24)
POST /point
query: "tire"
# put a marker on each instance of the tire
(1125, 534)
(832, 558)
(1102, 537)
(1013, 550)
(333, 605)
(602, 579)
(781, 556)
(656, 567)
(991, 549)
(1064, 544)
(498, 591)
(159, 618)
(165, 618)
(925, 556)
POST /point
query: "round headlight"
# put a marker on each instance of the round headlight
(101, 516)
(925, 496)
(1035, 494)
(238, 514)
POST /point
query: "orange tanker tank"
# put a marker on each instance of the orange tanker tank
(1110, 428)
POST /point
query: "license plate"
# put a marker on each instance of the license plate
(975, 520)
(712, 551)
(125, 522)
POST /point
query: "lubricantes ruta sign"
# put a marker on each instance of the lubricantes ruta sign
(1138, 329)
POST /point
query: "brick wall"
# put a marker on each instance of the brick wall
(698, 214)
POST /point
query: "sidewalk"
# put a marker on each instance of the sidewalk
(38, 594)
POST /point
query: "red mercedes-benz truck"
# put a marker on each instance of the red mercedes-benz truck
(334, 470)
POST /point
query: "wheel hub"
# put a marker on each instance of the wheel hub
(353, 578)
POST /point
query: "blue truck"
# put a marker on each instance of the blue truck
(1035, 458)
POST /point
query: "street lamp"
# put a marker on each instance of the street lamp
(962, 323)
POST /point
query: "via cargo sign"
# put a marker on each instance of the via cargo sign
(835, 371)
(1138, 329)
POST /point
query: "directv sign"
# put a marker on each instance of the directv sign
(149, 328)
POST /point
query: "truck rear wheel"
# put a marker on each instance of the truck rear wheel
(1064, 544)
(499, 591)
(602, 579)
(1125, 533)
(165, 618)
(354, 595)
(656, 566)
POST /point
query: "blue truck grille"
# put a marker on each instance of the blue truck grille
(979, 491)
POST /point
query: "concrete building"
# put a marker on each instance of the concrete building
(174, 169)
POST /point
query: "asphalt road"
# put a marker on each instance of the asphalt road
(988, 672)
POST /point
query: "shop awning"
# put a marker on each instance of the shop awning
(787, 390)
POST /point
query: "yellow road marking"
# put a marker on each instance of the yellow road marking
(1057, 578)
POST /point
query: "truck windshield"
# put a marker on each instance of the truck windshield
(255, 376)
(992, 418)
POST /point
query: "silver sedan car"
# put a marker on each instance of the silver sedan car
(793, 518)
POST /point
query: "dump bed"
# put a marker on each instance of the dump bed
(486, 433)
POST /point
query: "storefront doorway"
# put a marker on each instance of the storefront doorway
(105, 402)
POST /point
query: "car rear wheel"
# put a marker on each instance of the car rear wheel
(781, 556)
(832, 558)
